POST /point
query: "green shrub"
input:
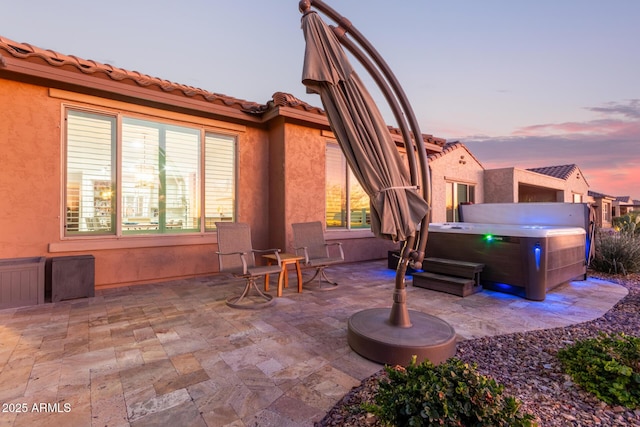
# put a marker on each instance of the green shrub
(607, 366)
(616, 252)
(629, 223)
(452, 393)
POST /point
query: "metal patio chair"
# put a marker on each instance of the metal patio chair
(308, 241)
(237, 256)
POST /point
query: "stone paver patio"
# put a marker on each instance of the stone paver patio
(174, 354)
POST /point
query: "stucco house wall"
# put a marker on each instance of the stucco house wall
(32, 184)
(501, 185)
(514, 185)
(542, 182)
(454, 164)
(603, 207)
(30, 173)
(576, 184)
(280, 165)
(303, 174)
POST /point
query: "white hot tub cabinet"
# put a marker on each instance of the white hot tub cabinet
(526, 260)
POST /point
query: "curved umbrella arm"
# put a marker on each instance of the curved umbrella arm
(398, 101)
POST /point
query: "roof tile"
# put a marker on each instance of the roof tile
(450, 147)
(29, 52)
(599, 195)
(562, 171)
(283, 99)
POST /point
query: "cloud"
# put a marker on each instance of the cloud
(607, 149)
(610, 123)
(579, 129)
(630, 111)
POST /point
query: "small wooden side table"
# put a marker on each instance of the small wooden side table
(285, 259)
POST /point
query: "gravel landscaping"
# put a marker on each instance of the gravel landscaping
(526, 364)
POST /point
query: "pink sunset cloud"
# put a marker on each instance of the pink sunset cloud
(594, 127)
(622, 120)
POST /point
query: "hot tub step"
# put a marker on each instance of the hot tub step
(452, 267)
(453, 285)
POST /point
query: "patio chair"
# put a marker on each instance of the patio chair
(91, 223)
(308, 241)
(237, 256)
(94, 224)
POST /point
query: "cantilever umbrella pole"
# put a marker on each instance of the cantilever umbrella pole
(399, 314)
(389, 79)
(383, 335)
(397, 100)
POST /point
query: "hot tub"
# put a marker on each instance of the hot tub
(525, 260)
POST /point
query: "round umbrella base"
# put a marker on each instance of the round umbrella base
(371, 335)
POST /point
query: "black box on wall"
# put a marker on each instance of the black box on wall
(69, 277)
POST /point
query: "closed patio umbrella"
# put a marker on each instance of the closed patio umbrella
(397, 208)
(396, 205)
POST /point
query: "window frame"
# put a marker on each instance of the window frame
(607, 213)
(347, 179)
(203, 130)
(452, 189)
(65, 171)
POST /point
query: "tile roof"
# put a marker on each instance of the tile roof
(450, 147)
(599, 195)
(32, 53)
(283, 99)
(430, 139)
(73, 64)
(627, 201)
(562, 171)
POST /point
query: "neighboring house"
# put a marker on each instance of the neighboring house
(136, 170)
(603, 205)
(622, 205)
(608, 207)
(564, 183)
(456, 177)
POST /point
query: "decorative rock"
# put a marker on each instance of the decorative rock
(514, 361)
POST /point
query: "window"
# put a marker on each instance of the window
(161, 182)
(347, 204)
(577, 198)
(220, 179)
(458, 193)
(91, 148)
(160, 177)
(606, 211)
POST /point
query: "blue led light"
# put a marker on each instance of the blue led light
(488, 237)
(537, 251)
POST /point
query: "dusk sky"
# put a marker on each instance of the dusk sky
(520, 83)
